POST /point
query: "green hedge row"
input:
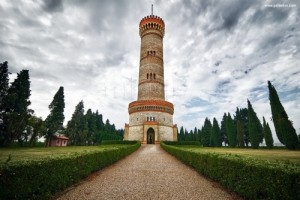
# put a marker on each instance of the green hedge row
(118, 142)
(39, 179)
(196, 143)
(250, 178)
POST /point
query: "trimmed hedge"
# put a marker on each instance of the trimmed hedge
(250, 178)
(196, 143)
(118, 142)
(39, 179)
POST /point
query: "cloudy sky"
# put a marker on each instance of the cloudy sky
(217, 54)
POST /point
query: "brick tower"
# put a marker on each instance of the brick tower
(151, 117)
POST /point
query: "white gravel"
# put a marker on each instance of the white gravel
(148, 173)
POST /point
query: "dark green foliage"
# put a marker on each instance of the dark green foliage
(230, 130)
(39, 179)
(255, 127)
(4, 81)
(15, 104)
(250, 178)
(193, 143)
(4, 84)
(54, 121)
(77, 128)
(239, 128)
(240, 133)
(207, 129)
(243, 116)
(223, 130)
(284, 128)
(215, 138)
(89, 129)
(109, 142)
(267, 134)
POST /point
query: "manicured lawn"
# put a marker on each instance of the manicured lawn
(17, 154)
(273, 154)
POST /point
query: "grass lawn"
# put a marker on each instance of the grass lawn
(273, 154)
(26, 153)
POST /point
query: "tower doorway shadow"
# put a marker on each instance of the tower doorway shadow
(150, 136)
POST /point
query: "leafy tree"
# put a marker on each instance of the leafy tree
(255, 127)
(215, 139)
(223, 130)
(285, 131)
(230, 130)
(207, 129)
(16, 104)
(267, 134)
(54, 121)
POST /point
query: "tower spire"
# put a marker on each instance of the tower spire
(151, 9)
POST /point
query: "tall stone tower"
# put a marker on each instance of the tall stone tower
(151, 117)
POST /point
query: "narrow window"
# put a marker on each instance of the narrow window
(147, 76)
(150, 76)
(154, 76)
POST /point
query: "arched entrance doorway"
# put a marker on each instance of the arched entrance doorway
(150, 136)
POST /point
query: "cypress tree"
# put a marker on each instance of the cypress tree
(231, 133)
(199, 135)
(243, 113)
(54, 121)
(196, 134)
(255, 128)
(181, 134)
(239, 128)
(16, 104)
(77, 128)
(4, 83)
(216, 140)
(267, 134)
(223, 129)
(240, 133)
(284, 128)
(207, 129)
(186, 135)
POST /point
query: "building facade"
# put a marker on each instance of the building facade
(151, 116)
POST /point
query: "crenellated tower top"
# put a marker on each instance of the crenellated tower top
(152, 22)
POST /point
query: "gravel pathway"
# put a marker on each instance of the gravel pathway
(148, 173)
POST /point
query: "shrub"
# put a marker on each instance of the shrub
(39, 179)
(118, 142)
(197, 143)
(251, 178)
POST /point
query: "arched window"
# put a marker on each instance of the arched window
(153, 118)
(154, 53)
(153, 76)
(147, 75)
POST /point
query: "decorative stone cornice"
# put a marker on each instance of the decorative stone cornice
(151, 105)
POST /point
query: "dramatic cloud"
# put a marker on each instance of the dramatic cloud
(217, 54)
